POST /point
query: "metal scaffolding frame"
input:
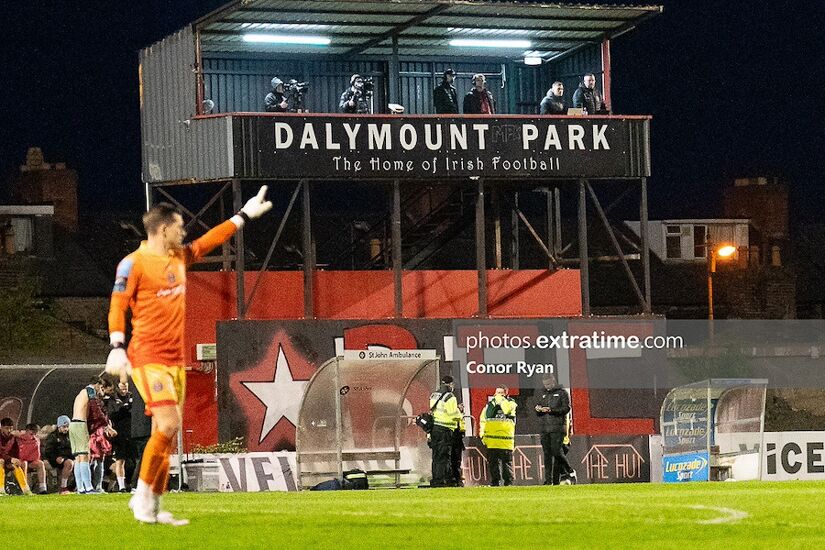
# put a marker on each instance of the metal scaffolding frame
(552, 248)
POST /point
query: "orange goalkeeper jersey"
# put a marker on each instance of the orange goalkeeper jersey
(153, 286)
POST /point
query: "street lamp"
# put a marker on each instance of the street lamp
(722, 251)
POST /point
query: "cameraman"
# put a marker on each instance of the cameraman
(354, 99)
(275, 101)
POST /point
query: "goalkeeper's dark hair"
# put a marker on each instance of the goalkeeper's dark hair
(161, 214)
(7, 422)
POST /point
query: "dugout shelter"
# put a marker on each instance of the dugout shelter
(697, 417)
(359, 413)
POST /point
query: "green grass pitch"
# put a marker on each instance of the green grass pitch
(699, 515)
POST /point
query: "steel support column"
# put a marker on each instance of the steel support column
(396, 249)
(309, 256)
(393, 71)
(551, 240)
(645, 252)
(607, 79)
(514, 234)
(481, 250)
(240, 292)
(583, 252)
(225, 250)
(557, 204)
(496, 227)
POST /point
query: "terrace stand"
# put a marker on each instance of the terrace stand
(405, 46)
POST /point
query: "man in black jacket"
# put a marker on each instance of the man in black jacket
(553, 102)
(275, 101)
(479, 100)
(552, 408)
(355, 99)
(587, 97)
(119, 408)
(445, 99)
(58, 451)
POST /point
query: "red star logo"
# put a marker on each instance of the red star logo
(270, 395)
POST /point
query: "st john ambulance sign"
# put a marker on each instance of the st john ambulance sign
(425, 147)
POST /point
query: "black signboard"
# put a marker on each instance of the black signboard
(595, 458)
(437, 148)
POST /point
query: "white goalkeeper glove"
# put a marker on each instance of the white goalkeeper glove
(117, 363)
(254, 208)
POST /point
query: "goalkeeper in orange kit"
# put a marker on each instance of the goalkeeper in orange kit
(151, 281)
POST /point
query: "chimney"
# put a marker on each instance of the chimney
(776, 260)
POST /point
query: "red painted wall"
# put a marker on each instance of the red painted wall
(359, 295)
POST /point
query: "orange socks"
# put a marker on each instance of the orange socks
(162, 477)
(154, 467)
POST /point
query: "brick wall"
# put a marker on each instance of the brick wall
(762, 293)
(54, 186)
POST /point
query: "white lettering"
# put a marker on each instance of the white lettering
(352, 131)
(481, 129)
(552, 138)
(522, 367)
(432, 145)
(328, 142)
(474, 367)
(575, 135)
(458, 136)
(174, 291)
(528, 134)
(283, 135)
(408, 137)
(599, 139)
(379, 136)
(308, 137)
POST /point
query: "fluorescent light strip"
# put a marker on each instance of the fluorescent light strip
(482, 43)
(287, 39)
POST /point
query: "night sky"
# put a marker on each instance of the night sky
(735, 87)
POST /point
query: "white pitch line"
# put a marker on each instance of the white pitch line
(731, 515)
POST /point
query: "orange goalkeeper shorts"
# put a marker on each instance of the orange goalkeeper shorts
(160, 385)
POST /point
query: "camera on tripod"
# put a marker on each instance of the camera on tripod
(294, 87)
(369, 85)
(294, 93)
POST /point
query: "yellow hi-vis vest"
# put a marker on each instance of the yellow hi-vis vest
(446, 413)
(498, 430)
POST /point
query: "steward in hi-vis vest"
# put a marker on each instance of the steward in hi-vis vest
(458, 449)
(497, 428)
(446, 416)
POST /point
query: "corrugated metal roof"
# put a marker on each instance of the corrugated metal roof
(368, 26)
